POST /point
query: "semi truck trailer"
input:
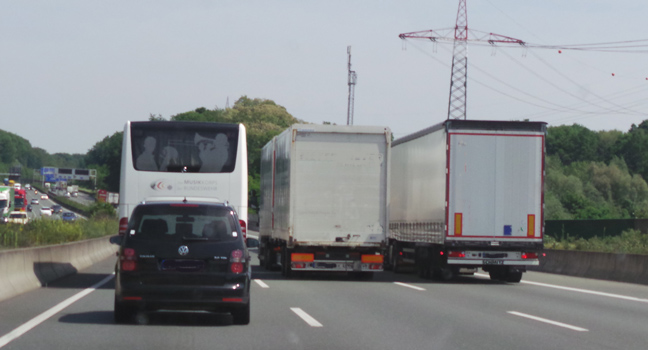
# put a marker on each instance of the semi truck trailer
(324, 196)
(468, 194)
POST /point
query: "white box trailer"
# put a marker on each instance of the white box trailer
(467, 194)
(324, 196)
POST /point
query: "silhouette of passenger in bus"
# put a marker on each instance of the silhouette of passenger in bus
(213, 153)
(169, 156)
(146, 160)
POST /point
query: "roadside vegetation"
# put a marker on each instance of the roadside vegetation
(589, 174)
(49, 231)
(629, 242)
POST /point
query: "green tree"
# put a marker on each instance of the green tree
(572, 143)
(108, 152)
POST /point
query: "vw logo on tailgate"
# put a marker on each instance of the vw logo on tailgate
(183, 250)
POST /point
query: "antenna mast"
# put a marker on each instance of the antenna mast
(351, 82)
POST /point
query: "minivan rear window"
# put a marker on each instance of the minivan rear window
(178, 222)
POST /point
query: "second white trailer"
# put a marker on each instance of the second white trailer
(468, 194)
(324, 195)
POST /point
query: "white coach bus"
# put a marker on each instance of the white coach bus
(183, 159)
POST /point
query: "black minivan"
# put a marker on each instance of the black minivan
(182, 255)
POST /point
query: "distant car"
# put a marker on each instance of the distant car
(46, 211)
(68, 216)
(18, 217)
(29, 207)
(44, 196)
(56, 209)
(75, 194)
(67, 194)
(34, 201)
(35, 191)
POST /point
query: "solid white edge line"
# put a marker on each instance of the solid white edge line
(29, 325)
(578, 290)
(408, 285)
(306, 317)
(555, 323)
(261, 283)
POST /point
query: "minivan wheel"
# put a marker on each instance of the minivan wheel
(241, 315)
(123, 313)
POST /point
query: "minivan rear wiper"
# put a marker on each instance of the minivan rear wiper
(185, 238)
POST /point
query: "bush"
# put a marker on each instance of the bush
(629, 242)
(47, 232)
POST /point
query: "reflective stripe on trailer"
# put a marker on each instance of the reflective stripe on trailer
(520, 262)
(336, 265)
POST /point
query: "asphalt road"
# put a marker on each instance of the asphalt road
(394, 311)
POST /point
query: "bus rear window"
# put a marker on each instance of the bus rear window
(193, 147)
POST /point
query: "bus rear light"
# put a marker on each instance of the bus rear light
(529, 255)
(453, 254)
(243, 229)
(372, 258)
(299, 265)
(302, 257)
(375, 266)
(123, 226)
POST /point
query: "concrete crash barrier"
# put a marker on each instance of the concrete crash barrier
(630, 268)
(25, 269)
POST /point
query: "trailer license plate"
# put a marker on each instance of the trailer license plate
(493, 262)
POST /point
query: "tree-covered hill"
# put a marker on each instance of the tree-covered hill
(596, 175)
(589, 174)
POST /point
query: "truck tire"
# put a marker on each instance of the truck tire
(497, 274)
(513, 276)
(443, 273)
(286, 271)
(262, 256)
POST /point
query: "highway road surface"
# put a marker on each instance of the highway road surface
(394, 311)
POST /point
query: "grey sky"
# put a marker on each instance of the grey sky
(73, 72)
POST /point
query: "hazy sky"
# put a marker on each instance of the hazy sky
(73, 72)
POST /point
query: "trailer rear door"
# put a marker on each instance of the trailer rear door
(494, 187)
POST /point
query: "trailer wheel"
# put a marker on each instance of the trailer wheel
(262, 256)
(286, 271)
(513, 276)
(497, 274)
(444, 273)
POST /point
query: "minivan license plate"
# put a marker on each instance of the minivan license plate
(493, 262)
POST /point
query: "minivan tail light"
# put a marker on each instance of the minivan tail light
(236, 256)
(236, 261)
(128, 259)
(243, 228)
(237, 267)
(123, 226)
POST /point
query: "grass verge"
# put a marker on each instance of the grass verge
(629, 242)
